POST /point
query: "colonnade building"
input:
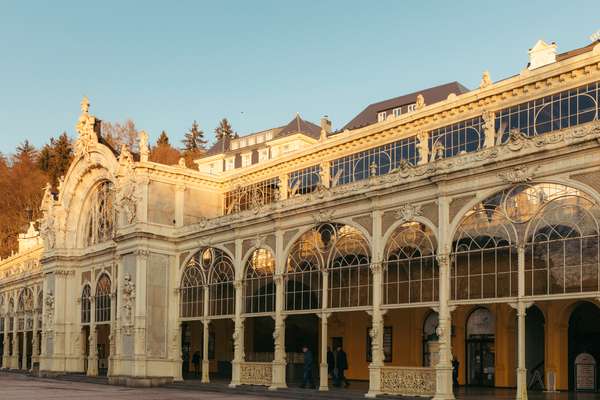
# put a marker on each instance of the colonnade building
(447, 223)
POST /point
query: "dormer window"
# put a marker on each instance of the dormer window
(381, 116)
(263, 155)
(397, 112)
(411, 107)
(235, 145)
(269, 135)
(246, 159)
(260, 139)
(229, 163)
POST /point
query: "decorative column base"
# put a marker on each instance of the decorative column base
(374, 381)
(235, 374)
(205, 371)
(278, 380)
(323, 377)
(92, 369)
(443, 387)
(521, 384)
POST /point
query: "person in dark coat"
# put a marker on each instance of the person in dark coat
(341, 364)
(455, 366)
(196, 362)
(309, 361)
(330, 362)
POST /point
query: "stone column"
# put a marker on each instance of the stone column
(521, 308)
(6, 348)
(323, 366)
(112, 336)
(279, 362)
(92, 369)
(283, 187)
(139, 316)
(238, 336)
(205, 337)
(444, 366)
(35, 343)
(24, 355)
(14, 360)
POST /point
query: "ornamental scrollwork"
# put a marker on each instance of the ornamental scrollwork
(49, 311)
(408, 381)
(407, 212)
(127, 198)
(128, 304)
(254, 373)
(520, 174)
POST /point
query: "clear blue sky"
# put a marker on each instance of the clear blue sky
(165, 64)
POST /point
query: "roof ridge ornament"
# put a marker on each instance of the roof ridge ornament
(542, 54)
(595, 37)
(485, 80)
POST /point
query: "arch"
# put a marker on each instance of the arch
(584, 335)
(480, 332)
(25, 300)
(343, 251)
(259, 289)
(411, 272)
(86, 303)
(535, 342)
(211, 269)
(99, 212)
(563, 246)
(103, 294)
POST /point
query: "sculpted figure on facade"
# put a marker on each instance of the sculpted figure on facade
(437, 152)
(127, 198)
(423, 147)
(49, 311)
(485, 80)
(144, 148)
(128, 303)
(420, 102)
(489, 129)
(85, 128)
(47, 230)
(408, 212)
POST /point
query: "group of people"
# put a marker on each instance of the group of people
(337, 363)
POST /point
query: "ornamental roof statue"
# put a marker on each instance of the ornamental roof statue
(85, 128)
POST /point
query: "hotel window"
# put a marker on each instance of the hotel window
(260, 139)
(269, 135)
(411, 108)
(397, 112)
(263, 155)
(251, 140)
(229, 163)
(246, 159)
(234, 145)
(381, 116)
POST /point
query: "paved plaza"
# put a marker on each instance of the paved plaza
(22, 387)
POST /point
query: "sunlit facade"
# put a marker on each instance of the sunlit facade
(446, 224)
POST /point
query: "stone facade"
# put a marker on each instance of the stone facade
(146, 263)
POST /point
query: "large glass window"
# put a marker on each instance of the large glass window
(305, 180)
(259, 289)
(557, 111)
(252, 196)
(101, 214)
(379, 160)
(103, 299)
(462, 137)
(411, 272)
(86, 304)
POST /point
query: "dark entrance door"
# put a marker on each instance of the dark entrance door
(481, 358)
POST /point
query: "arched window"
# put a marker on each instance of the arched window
(103, 299)
(349, 261)
(220, 284)
(25, 302)
(344, 253)
(191, 297)
(40, 301)
(86, 304)
(485, 261)
(562, 253)
(430, 337)
(411, 271)
(259, 290)
(101, 214)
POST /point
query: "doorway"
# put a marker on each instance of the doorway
(103, 332)
(300, 330)
(481, 352)
(584, 338)
(534, 348)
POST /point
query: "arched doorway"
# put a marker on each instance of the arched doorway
(103, 320)
(534, 347)
(430, 340)
(481, 352)
(584, 337)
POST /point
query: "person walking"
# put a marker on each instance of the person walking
(330, 362)
(341, 364)
(196, 362)
(307, 379)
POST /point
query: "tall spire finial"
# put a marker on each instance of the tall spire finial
(85, 105)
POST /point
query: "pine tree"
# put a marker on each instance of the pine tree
(162, 139)
(193, 140)
(224, 129)
(55, 157)
(26, 152)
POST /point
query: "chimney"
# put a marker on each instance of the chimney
(325, 127)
